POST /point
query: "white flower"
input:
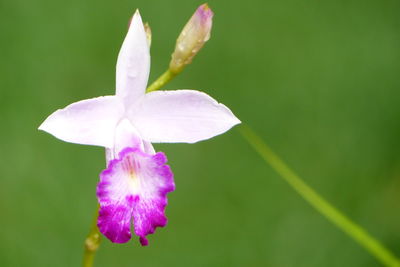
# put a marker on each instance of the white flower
(137, 180)
(133, 117)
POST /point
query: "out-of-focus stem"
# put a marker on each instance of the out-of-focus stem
(92, 243)
(352, 229)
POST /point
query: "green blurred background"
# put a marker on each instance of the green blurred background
(319, 80)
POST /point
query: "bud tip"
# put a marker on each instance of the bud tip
(205, 12)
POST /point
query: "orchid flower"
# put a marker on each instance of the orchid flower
(136, 181)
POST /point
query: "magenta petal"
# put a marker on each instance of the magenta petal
(148, 212)
(115, 222)
(135, 184)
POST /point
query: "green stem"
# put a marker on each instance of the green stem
(92, 243)
(162, 80)
(355, 231)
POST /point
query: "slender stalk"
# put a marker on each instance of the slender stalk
(162, 80)
(355, 231)
(92, 243)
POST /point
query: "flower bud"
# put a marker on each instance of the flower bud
(192, 38)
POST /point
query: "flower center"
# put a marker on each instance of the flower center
(130, 168)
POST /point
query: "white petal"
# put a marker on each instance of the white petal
(126, 136)
(180, 116)
(133, 65)
(148, 148)
(88, 122)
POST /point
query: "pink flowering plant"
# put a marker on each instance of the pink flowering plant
(134, 187)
